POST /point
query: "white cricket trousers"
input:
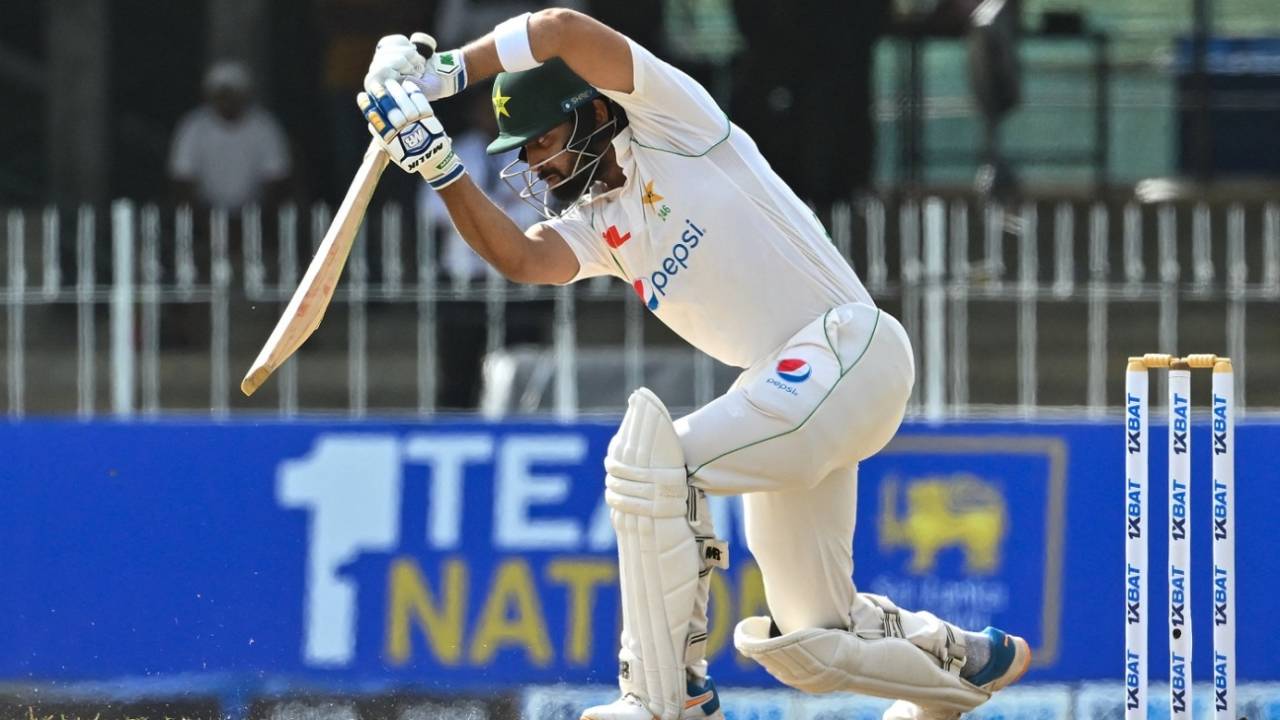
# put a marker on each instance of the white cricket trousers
(788, 437)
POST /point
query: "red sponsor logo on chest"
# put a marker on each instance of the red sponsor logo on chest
(613, 238)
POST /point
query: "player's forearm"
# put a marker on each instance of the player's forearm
(481, 57)
(487, 229)
(594, 51)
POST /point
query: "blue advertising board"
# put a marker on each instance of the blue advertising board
(465, 555)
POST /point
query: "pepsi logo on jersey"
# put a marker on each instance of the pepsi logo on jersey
(677, 259)
(650, 299)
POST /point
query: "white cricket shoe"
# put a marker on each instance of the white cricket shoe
(1010, 658)
(703, 702)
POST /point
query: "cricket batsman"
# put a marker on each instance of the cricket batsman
(640, 175)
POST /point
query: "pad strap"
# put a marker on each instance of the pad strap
(952, 655)
(955, 654)
(891, 618)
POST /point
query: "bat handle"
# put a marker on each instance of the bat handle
(425, 49)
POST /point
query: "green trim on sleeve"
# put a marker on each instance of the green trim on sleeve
(728, 130)
(834, 385)
(623, 273)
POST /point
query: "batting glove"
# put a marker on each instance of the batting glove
(402, 120)
(414, 59)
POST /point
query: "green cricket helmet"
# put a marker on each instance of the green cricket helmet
(531, 102)
(526, 105)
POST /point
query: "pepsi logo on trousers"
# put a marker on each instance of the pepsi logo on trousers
(793, 370)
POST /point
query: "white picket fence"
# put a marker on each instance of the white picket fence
(997, 330)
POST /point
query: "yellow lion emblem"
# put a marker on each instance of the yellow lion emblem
(941, 512)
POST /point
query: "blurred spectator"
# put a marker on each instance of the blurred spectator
(457, 258)
(229, 152)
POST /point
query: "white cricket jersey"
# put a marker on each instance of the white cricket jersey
(713, 241)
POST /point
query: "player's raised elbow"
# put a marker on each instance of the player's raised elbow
(594, 51)
(518, 269)
(529, 271)
(543, 259)
(551, 28)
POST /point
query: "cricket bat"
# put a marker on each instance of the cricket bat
(306, 308)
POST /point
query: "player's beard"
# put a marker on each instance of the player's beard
(587, 161)
(572, 188)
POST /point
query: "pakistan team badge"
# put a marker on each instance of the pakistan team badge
(651, 198)
(499, 102)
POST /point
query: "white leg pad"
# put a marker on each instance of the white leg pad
(823, 661)
(661, 557)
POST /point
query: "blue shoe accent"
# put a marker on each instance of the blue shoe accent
(1002, 653)
(695, 690)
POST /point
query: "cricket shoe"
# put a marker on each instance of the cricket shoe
(703, 702)
(1010, 658)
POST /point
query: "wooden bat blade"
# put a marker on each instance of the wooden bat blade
(306, 308)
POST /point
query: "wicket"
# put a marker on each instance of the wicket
(1222, 412)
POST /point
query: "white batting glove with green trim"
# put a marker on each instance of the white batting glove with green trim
(414, 59)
